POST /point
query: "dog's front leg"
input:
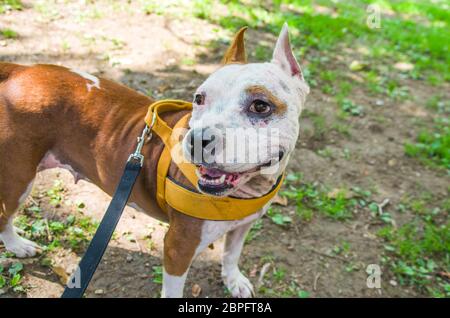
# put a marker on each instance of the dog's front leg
(177, 259)
(236, 282)
(181, 244)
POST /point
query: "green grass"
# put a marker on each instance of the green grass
(74, 231)
(8, 34)
(334, 203)
(11, 277)
(308, 198)
(278, 217)
(432, 147)
(278, 283)
(157, 274)
(344, 24)
(55, 193)
(418, 252)
(349, 107)
(255, 231)
(438, 104)
(8, 5)
(50, 231)
(319, 122)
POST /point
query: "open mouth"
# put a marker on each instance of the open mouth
(215, 181)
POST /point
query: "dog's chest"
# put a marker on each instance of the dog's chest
(213, 230)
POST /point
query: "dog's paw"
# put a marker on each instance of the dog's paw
(20, 246)
(239, 285)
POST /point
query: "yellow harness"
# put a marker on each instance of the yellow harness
(169, 193)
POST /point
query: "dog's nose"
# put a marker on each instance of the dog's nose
(198, 140)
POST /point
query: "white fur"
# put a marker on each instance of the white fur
(213, 230)
(26, 193)
(95, 80)
(14, 243)
(238, 285)
(173, 285)
(236, 282)
(283, 56)
(136, 207)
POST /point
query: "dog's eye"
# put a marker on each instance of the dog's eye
(199, 99)
(260, 107)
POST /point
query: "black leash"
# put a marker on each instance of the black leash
(80, 279)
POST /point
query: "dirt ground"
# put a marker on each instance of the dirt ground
(152, 54)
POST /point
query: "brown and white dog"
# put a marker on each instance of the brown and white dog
(51, 116)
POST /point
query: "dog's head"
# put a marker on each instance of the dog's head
(245, 120)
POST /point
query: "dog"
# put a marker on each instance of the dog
(52, 116)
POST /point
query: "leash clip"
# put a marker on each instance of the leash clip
(145, 137)
(137, 155)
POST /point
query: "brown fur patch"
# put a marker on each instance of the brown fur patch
(181, 242)
(280, 106)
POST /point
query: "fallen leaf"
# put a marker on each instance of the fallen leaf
(61, 272)
(355, 77)
(403, 66)
(263, 272)
(99, 292)
(253, 271)
(356, 66)
(392, 162)
(280, 200)
(196, 290)
(445, 274)
(164, 87)
(333, 194)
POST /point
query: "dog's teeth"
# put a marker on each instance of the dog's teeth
(212, 181)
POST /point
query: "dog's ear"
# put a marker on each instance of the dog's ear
(283, 55)
(236, 51)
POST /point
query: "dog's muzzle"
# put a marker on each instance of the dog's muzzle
(203, 144)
